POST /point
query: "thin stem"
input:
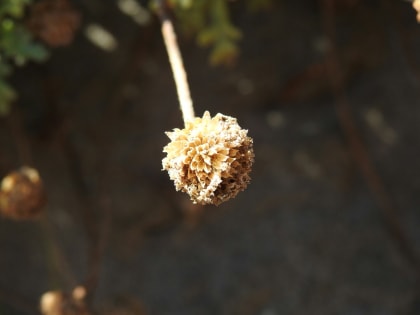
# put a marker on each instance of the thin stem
(57, 262)
(178, 70)
(22, 146)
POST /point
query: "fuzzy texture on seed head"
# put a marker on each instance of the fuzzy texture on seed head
(210, 159)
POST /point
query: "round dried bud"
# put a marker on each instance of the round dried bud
(60, 303)
(22, 194)
(416, 5)
(210, 159)
(54, 21)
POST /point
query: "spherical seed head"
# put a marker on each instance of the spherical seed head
(63, 303)
(22, 194)
(210, 159)
(54, 21)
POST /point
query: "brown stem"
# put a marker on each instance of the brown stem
(17, 132)
(87, 213)
(58, 262)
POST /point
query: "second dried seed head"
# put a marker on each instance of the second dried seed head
(22, 194)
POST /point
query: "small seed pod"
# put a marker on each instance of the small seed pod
(61, 303)
(22, 194)
(210, 159)
(416, 6)
(54, 21)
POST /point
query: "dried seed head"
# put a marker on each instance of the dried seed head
(416, 6)
(22, 194)
(61, 303)
(210, 159)
(54, 21)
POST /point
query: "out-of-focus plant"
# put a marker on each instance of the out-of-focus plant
(55, 22)
(210, 22)
(16, 47)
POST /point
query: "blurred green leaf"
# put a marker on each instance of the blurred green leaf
(185, 3)
(192, 18)
(5, 69)
(210, 21)
(7, 96)
(17, 43)
(206, 37)
(14, 8)
(232, 32)
(224, 35)
(224, 52)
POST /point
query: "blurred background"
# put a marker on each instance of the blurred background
(329, 91)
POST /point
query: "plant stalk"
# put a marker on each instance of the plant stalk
(178, 70)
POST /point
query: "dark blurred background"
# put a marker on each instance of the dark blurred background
(330, 93)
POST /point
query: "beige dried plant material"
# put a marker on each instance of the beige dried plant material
(416, 6)
(210, 159)
(22, 194)
(64, 303)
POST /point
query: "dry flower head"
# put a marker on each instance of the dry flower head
(62, 303)
(416, 6)
(210, 159)
(22, 194)
(54, 21)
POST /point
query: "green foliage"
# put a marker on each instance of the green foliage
(17, 44)
(7, 95)
(16, 47)
(210, 21)
(13, 8)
